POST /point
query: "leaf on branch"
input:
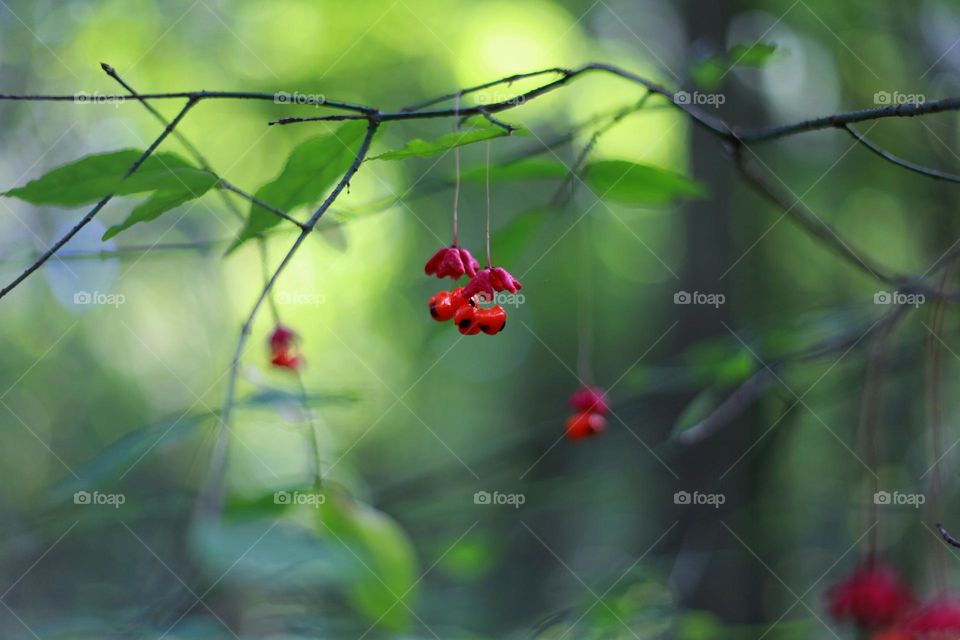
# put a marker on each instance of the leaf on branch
(172, 180)
(640, 184)
(527, 169)
(422, 149)
(312, 167)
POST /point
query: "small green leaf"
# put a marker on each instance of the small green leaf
(526, 169)
(751, 55)
(640, 184)
(89, 179)
(383, 584)
(708, 73)
(312, 167)
(421, 148)
(159, 203)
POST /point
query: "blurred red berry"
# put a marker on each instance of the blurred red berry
(287, 360)
(451, 262)
(492, 320)
(593, 399)
(938, 620)
(585, 424)
(282, 338)
(893, 633)
(873, 596)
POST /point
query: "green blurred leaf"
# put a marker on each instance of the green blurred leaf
(709, 72)
(124, 454)
(422, 148)
(751, 55)
(311, 169)
(699, 408)
(517, 235)
(640, 184)
(699, 625)
(89, 179)
(526, 169)
(384, 584)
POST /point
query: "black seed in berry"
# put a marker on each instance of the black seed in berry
(464, 324)
(433, 311)
(484, 328)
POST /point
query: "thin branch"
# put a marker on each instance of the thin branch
(211, 497)
(906, 164)
(199, 157)
(509, 128)
(260, 203)
(949, 539)
(486, 85)
(100, 205)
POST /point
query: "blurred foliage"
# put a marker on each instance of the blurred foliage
(411, 420)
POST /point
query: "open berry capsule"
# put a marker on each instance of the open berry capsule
(466, 320)
(492, 320)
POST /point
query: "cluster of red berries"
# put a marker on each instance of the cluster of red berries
(875, 599)
(591, 406)
(462, 305)
(282, 343)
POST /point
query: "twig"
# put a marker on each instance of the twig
(486, 85)
(906, 164)
(100, 205)
(260, 203)
(211, 496)
(949, 539)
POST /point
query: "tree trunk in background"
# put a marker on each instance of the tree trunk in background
(731, 580)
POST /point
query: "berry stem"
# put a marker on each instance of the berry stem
(935, 417)
(585, 318)
(489, 261)
(456, 171)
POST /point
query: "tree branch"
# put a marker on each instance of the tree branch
(900, 162)
(100, 205)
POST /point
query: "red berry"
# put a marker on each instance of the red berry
(592, 399)
(585, 424)
(445, 303)
(489, 280)
(939, 620)
(466, 320)
(286, 360)
(452, 262)
(873, 596)
(491, 321)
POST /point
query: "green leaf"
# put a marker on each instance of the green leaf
(159, 203)
(89, 179)
(383, 584)
(517, 235)
(702, 405)
(311, 168)
(526, 169)
(421, 148)
(708, 73)
(124, 454)
(751, 55)
(640, 184)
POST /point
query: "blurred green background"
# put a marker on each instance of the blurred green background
(413, 420)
